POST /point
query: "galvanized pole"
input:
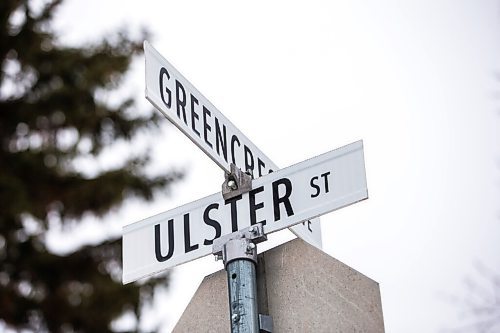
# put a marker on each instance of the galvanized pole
(242, 288)
(239, 253)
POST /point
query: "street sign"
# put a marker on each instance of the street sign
(174, 96)
(278, 200)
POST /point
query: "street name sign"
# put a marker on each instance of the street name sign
(278, 200)
(178, 100)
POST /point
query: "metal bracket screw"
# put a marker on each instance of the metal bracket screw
(232, 184)
(250, 247)
(235, 317)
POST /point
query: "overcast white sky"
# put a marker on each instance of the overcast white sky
(416, 80)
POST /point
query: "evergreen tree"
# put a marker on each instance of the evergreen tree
(52, 111)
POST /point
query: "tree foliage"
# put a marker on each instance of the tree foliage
(53, 111)
(479, 302)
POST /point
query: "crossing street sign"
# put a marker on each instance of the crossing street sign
(278, 200)
(174, 96)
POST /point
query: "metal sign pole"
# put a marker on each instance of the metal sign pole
(239, 252)
(242, 286)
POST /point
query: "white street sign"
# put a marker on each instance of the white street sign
(207, 127)
(278, 200)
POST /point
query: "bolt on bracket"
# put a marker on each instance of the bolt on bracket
(239, 244)
(237, 182)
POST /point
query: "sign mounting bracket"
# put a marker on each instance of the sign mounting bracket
(236, 183)
(253, 234)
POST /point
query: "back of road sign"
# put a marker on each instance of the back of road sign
(301, 288)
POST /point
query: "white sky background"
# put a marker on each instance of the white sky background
(416, 80)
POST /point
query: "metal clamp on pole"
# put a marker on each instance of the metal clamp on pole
(239, 244)
(237, 182)
(239, 252)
